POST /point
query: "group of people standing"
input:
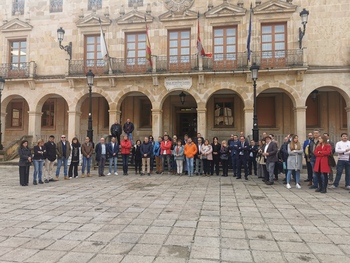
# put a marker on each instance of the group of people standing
(197, 156)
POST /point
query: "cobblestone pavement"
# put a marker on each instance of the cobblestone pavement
(170, 219)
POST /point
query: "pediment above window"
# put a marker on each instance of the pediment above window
(134, 17)
(171, 16)
(274, 6)
(224, 10)
(16, 25)
(93, 20)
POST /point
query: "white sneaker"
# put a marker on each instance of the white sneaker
(109, 174)
(288, 186)
(116, 173)
(348, 187)
(332, 187)
(297, 186)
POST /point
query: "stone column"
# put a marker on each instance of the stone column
(348, 118)
(74, 126)
(248, 122)
(300, 122)
(34, 125)
(113, 116)
(202, 121)
(157, 123)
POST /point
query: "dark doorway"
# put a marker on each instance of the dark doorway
(186, 122)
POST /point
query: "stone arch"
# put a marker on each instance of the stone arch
(342, 92)
(292, 93)
(239, 91)
(75, 105)
(7, 99)
(165, 93)
(127, 91)
(38, 104)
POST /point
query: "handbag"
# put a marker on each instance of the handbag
(331, 161)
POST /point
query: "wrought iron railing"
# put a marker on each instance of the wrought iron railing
(130, 65)
(176, 63)
(225, 62)
(18, 6)
(56, 6)
(278, 59)
(97, 4)
(17, 70)
(189, 63)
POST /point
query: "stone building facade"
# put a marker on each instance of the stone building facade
(298, 89)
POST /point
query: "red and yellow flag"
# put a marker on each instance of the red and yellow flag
(148, 47)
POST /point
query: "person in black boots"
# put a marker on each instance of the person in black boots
(25, 159)
(253, 150)
(224, 155)
(50, 147)
(136, 156)
(216, 156)
(243, 155)
(75, 157)
(321, 168)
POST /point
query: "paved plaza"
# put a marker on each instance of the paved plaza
(170, 219)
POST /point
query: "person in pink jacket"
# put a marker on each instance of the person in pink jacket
(125, 145)
(165, 151)
(207, 157)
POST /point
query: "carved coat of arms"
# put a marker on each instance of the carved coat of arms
(178, 6)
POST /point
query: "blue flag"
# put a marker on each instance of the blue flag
(249, 33)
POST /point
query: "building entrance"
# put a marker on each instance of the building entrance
(186, 122)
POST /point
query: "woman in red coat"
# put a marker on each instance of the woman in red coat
(125, 151)
(322, 151)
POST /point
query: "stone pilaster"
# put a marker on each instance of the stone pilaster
(157, 123)
(300, 122)
(74, 124)
(248, 122)
(34, 125)
(202, 121)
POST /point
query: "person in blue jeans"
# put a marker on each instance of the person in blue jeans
(38, 161)
(342, 148)
(113, 149)
(86, 150)
(63, 151)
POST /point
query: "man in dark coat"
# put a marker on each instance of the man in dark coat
(270, 154)
(243, 155)
(128, 129)
(50, 155)
(116, 131)
(101, 156)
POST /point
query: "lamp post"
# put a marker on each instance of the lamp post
(2, 85)
(182, 96)
(304, 14)
(254, 70)
(68, 48)
(90, 81)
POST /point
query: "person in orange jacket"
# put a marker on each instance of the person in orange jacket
(125, 151)
(190, 151)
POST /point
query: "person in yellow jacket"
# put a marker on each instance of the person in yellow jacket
(189, 152)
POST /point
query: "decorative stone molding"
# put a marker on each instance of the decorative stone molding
(15, 25)
(93, 20)
(31, 84)
(171, 16)
(274, 6)
(300, 75)
(135, 17)
(225, 10)
(111, 82)
(155, 81)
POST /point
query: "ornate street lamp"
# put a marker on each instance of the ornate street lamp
(68, 48)
(2, 85)
(304, 17)
(182, 96)
(90, 81)
(254, 70)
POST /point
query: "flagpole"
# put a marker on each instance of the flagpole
(249, 34)
(102, 38)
